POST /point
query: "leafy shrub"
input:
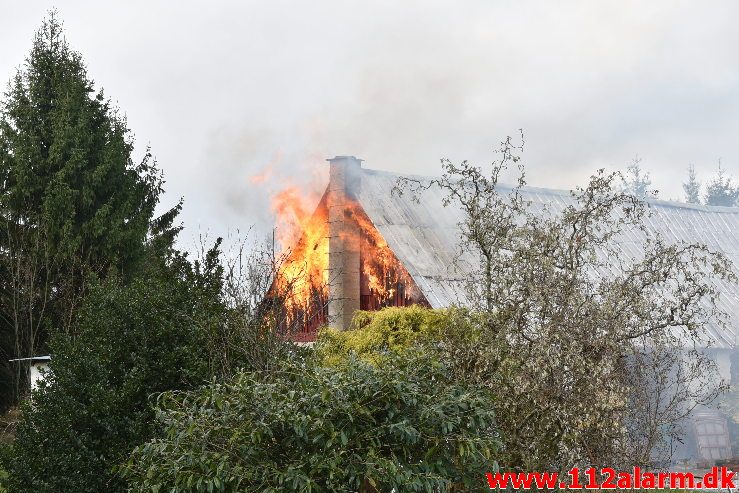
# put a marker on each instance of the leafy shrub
(376, 333)
(402, 425)
(93, 407)
(5, 451)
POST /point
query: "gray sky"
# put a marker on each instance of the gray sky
(226, 90)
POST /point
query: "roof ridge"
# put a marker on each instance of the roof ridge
(567, 193)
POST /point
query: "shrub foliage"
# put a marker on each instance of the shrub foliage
(402, 425)
(388, 330)
(94, 406)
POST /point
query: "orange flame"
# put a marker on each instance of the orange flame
(303, 276)
(384, 273)
(303, 235)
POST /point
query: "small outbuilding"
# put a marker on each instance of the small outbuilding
(34, 364)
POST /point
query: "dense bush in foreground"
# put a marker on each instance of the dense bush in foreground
(133, 341)
(401, 425)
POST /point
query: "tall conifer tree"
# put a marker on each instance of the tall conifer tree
(73, 203)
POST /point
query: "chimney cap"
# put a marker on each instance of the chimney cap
(345, 158)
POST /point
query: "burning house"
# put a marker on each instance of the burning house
(365, 248)
(342, 262)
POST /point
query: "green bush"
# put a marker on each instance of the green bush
(94, 406)
(305, 428)
(5, 451)
(374, 334)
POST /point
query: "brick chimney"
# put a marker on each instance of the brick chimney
(343, 245)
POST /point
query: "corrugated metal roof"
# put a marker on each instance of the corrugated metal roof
(425, 237)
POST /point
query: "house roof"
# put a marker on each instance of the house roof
(425, 237)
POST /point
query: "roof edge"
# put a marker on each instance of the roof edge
(567, 193)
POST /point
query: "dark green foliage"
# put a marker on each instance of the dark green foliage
(132, 342)
(73, 204)
(402, 425)
(66, 158)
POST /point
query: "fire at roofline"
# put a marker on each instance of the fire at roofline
(340, 263)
